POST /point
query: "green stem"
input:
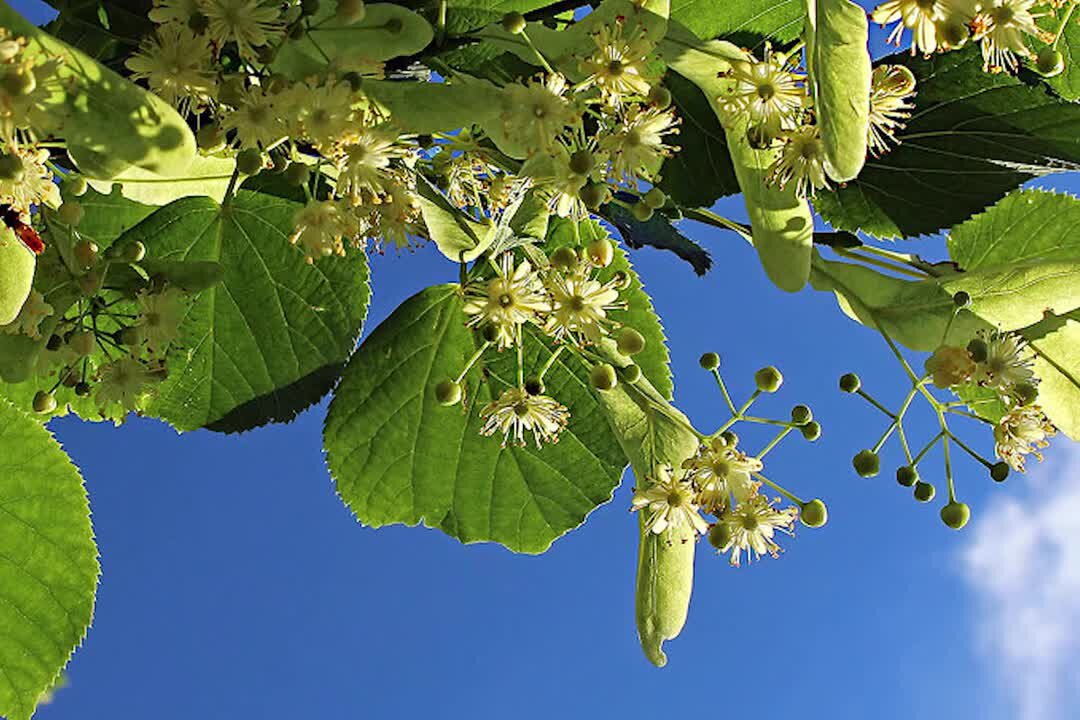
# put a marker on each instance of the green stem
(472, 361)
(550, 361)
(790, 496)
(865, 396)
(708, 217)
(774, 442)
(969, 451)
(1064, 23)
(536, 51)
(926, 449)
(852, 255)
(724, 390)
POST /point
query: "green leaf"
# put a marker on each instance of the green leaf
(1024, 226)
(387, 31)
(1056, 344)
(973, 137)
(839, 64)
(744, 22)
(465, 15)
(80, 26)
(97, 111)
(271, 339)
(458, 236)
(701, 172)
(105, 217)
(205, 175)
(399, 457)
(427, 107)
(48, 568)
(1067, 84)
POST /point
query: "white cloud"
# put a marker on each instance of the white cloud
(1023, 562)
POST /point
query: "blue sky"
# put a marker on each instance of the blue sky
(235, 584)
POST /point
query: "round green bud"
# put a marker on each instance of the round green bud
(44, 402)
(631, 373)
(641, 211)
(593, 195)
(279, 162)
(709, 361)
(600, 252)
(978, 350)
(11, 167)
(71, 379)
(198, 23)
(20, 81)
(90, 282)
(953, 34)
(801, 415)
(514, 22)
(582, 162)
(349, 12)
(266, 55)
(630, 341)
(76, 186)
(1049, 62)
(924, 491)
(54, 343)
(655, 198)
(768, 379)
(621, 279)
(564, 258)
(85, 251)
(129, 336)
(534, 386)
(210, 138)
(999, 471)
(730, 438)
(850, 382)
(719, 536)
(814, 514)
(297, 173)
(1025, 392)
(82, 388)
(956, 514)
(249, 161)
(603, 376)
(811, 430)
(490, 333)
(133, 251)
(962, 299)
(70, 212)
(907, 475)
(866, 463)
(309, 7)
(82, 342)
(659, 96)
(448, 393)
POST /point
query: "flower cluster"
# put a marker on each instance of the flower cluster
(770, 98)
(723, 482)
(1001, 27)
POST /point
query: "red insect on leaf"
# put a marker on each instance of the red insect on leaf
(23, 230)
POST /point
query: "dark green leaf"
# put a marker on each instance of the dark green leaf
(744, 22)
(657, 232)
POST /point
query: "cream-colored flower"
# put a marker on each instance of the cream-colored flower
(365, 159)
(28, 322)
(618, 67)
(126, 382)
(636, 146)
(751, 528)
(248, 23)
(537, 113)
(720, 474)
(580, 305)
(160, 315)
(323, 112)
(557, 183)
(891, 91)
(516, 412)
(769, 94)
(179, 12)
(176, 65)
(669, 505)
(515, 296)
(26, 88)
(802, 162)
(922, 17)
(950, 365)
(257, 121)
(1022, 431)
(322, 227)
(1008, 361)
(395, 217)
(1002, 27)
(34, 185)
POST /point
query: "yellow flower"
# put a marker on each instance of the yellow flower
(769, 94)
(751, 528)
(176, 65)
(257, 121)
(364, 160)
(34, 185)
(921, 16)
(160, 315)
(950, 365)
(720, 474)
(636, 146)
(516, 412)
(537, 113)
(1022, 431)
(246, 22)
(321, 228)
(324, 112)
(891, 90)
(618, 65)
(512, 298)
(126, 382)
(669, 505)
(1001, 28)
(802, 162)
(580, 305)
(28, 322)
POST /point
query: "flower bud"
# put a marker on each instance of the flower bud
(76, 186)
(297, 173)
(709, 361)
(210, 138)
(11, 167)
(82, 343)
(622, 280)
(490, 333)
(641, 211)
(1049, 62)
(82, 388)
(814, 514)
(811, 431)
(999, 471)
(631, 373)
(564, 258)
(54, 343)
(655, 198)
(1025, 393)
(801, 415)
(961, 299)
(90, 282)
(659, 96)
(448, 393)
(924, 491)
(850, 382)
(593, 195)
(198, 23)
(768, 379)
(956, 514)
(603, 376)
(582, 162)
(978, 350)
(719, 536)
(71, 212)
(907, 475)
(514, 23)
(133, 251)
(44, 402)
(309, 7)
(866, 463)
(249, 161)
(730, 438)
(19, 81)
(630, 341)
(600, 252)
(129, 336)
(85, 251)
(534, 386)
